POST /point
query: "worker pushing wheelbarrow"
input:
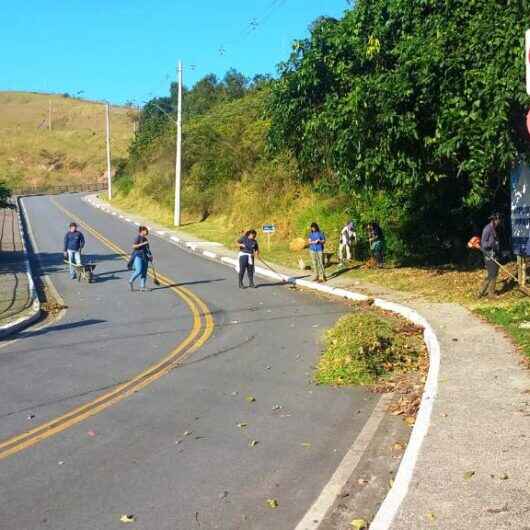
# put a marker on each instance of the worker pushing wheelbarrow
(74, 242)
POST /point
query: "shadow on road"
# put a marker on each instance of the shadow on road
(60, 327)
(197, 282)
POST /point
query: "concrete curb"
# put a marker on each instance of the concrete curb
(25, 321)
(397, 493)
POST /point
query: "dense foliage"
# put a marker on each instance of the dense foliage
(224, 142)
(409, 112)
(416, 105)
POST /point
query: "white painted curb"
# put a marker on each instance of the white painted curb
(24, 322)
(397, 493)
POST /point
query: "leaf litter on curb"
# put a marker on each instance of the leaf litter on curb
(469, 474)
(250, 399)
(272, 503)
(127, 518)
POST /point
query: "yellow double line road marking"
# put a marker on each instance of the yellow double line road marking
(202, 329)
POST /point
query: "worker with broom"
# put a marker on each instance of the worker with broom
(490, 247)
(248, 252)
(316, 240)
(141, 256)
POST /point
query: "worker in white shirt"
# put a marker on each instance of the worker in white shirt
(348, 238)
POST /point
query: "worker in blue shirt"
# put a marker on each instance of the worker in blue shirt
(317, 240)
(74, 241)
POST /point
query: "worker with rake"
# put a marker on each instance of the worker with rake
(490, 247)
(248, 252)
(141, 256)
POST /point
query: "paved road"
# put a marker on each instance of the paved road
(126, 459)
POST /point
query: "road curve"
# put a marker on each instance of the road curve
(169, 451)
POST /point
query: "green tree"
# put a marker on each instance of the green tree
(414, 104)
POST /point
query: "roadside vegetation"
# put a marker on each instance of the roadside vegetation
(396, 112)
(72, 152)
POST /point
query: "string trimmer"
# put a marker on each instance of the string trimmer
(474, 244)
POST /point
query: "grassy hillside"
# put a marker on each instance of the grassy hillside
(73, 151)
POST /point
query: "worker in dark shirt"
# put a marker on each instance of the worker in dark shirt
(490, 246)
(248, 251)
(74, 241)
(376, 239)
(141, 256)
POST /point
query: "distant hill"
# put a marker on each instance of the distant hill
(73, 151)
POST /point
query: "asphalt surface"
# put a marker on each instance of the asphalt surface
(134, 457)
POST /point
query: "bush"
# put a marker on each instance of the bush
(5, 194)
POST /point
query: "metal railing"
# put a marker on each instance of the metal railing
(55, 190)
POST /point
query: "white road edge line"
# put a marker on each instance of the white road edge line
(316, 514)
(394, 498)
(209, 254)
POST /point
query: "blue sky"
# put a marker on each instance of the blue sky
(126, 50)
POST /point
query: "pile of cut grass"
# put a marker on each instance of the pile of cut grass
(369, 345)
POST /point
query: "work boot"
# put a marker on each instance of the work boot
(491, 289)
(483, 289)
(241, 285)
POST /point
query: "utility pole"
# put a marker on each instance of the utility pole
(49, 115)
(109, 167)
(178, 161)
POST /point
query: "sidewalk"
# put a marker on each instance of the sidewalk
(473, 468)
(16, 297)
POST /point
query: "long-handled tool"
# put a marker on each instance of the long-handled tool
(155, 277)
(272, 270)
(474, 243)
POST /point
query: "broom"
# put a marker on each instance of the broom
(155, 277)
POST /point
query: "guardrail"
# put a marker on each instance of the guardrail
(55, 190)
